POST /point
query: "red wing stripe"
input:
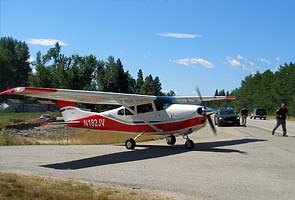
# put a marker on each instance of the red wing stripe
(32, 90)
(28, 90)
(230, 97)
(10, 91)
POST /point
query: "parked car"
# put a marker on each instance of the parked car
(49, 118)
(258, 113)
(226, 116)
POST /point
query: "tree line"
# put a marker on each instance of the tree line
(55, 69)
(265, 90)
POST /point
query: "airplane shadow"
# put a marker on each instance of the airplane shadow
(149, 152)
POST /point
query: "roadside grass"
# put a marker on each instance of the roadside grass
(8, 118)
(83, 137)
(15, 187)
(63, 136)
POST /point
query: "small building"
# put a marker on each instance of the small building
(23, 105)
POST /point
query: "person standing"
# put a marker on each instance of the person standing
(244, 114)
(281, 115)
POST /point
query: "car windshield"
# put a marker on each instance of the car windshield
(261, 110)
(227, 112)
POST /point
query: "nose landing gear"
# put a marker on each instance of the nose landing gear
(189, 144)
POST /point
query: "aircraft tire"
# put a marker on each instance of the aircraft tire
(130, 144)
(189, 144)
(171, 140)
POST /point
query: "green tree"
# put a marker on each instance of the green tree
(156, 87)
(139, 81)
(15, 67)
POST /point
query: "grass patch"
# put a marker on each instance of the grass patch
(15, 118)
(80, 137)
(60, 135)
(14, 187)
(105, 137)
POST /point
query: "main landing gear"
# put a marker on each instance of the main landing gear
(170, 139)
(130, 143)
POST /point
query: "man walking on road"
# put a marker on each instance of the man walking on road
(281, 115)
(244, 113)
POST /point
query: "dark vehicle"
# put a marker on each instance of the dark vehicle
(49, 118)
(226, 116)
(258, 113)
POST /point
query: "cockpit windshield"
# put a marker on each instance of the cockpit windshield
(162, 103)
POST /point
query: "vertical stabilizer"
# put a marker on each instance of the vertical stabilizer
(70, 112)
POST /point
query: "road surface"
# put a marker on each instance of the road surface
(239, 163)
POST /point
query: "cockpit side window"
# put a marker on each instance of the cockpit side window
(144, 108)
(124, 111)
(121, 111)
(162, 103)
(127, 112)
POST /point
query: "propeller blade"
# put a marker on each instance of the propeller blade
(199, 93)
(206, 111)
(211, 124)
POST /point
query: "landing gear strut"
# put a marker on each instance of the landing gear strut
(130, 143)
(170, 139)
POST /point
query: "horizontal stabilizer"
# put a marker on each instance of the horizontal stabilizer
(62, 123)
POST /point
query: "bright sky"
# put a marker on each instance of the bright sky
(212, 44)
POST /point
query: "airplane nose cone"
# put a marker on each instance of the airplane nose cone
(205, 111)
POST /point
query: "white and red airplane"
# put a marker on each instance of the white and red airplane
(138, 114)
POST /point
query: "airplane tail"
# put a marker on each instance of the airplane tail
(70, 111)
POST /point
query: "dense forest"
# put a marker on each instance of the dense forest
(266, 90)
(54, 69)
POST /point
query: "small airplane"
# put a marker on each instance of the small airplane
(138, 114)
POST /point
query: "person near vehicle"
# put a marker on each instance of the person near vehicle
(244, 114)
(281, 115)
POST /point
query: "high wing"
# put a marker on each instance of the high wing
(196, 99)
(82, 96)
(96, 97)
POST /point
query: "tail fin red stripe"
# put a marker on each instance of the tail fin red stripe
(62, 104)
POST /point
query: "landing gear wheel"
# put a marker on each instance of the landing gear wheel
(189, 144)
(130, 144)
(170, 139)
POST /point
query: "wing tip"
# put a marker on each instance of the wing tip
(27, 90)
(230, 97)
(9, 91)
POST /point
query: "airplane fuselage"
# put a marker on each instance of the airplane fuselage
(176, 118)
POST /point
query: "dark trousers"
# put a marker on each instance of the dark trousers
(244, 120)
(280, 122)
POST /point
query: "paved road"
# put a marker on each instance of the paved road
(240, 163)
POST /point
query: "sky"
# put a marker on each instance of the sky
(212, 44)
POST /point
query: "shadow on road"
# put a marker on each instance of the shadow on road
(149, 152)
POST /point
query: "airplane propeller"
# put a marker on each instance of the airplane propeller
(206, 111)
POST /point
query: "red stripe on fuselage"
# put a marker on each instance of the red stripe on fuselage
(38, 90)
(99, 122)
(62, 104)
